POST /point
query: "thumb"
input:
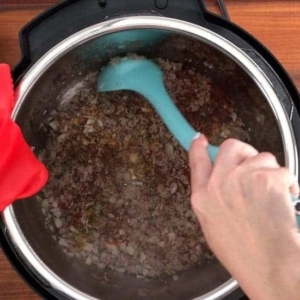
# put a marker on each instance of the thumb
(200, 164)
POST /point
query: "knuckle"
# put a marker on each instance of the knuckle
(268, 156)
(280, 175)
(285, 176)
(230, 143)
(261, 177)
(283, 171)
(268, 178)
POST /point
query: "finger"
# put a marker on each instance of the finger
(261, 160)
(199, 162)
(269, 161)
(232, 153)
(275, 185)
(286, 180)
(294, 186)
(290, 183)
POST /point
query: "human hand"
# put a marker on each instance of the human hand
(244, 208)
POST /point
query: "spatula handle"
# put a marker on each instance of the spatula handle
(173, 118)
(212, 152)
(296, 203)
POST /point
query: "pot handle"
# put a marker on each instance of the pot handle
(296, 203)
(222, 7)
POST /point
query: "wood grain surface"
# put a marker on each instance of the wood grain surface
(275, 23)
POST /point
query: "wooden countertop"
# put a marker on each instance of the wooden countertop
(275, 23)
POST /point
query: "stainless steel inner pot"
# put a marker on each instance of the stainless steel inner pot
(62, 68)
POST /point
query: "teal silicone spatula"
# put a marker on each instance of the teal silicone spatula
(146, 78)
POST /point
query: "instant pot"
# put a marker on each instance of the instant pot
(59, 48)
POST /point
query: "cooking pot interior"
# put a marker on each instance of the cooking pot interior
(229, 86)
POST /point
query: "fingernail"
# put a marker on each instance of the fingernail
(202, 138)
(197, 135)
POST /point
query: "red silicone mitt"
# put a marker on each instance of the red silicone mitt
(21, 173)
